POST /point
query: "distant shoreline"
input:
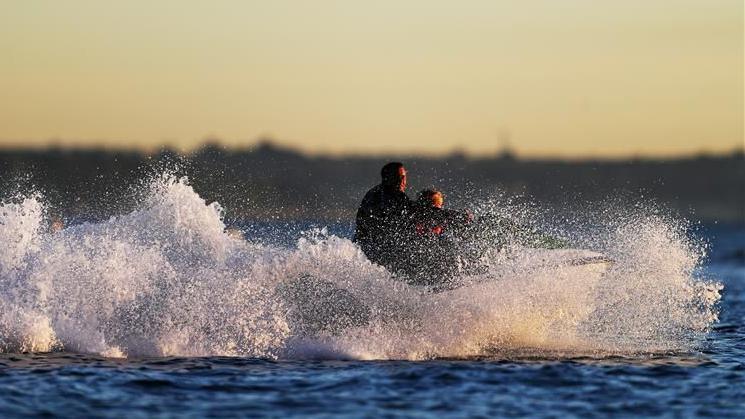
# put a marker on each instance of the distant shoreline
(272, 182)
(268, 144)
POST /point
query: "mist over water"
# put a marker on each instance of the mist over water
(167, 279)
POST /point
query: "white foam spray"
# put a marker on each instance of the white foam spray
(167, 279)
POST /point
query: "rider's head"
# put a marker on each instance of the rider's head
(394, 176)
(431, 198)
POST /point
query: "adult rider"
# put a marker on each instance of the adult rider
(385, 225)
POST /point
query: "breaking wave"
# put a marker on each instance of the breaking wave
(168, 280)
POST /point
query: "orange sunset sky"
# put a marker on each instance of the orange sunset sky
(550, 78)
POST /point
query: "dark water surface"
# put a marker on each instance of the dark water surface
(710, 384)
(706, 383)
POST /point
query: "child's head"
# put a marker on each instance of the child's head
(431, 198)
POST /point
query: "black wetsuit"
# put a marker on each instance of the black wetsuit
(385, 227)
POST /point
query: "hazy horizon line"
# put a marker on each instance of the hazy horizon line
(504, 151)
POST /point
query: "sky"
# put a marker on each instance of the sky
(567, 78)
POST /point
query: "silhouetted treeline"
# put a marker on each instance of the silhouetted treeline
(268, 181)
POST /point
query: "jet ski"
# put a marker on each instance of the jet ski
(317, 305)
